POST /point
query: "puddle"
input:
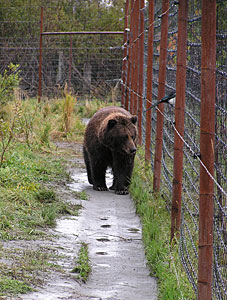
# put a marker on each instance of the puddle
(67, 225)
(133, 230)
(105, 226)
(104, 219)
(79, 183)
(104, 240)
(101, 253)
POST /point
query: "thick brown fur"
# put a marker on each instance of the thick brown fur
(110, 141)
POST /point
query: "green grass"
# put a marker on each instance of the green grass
(25, 202)
(12, 286)
(163, 258)
(80, 195)
(31, 172)
(83, 267)
(23, 268)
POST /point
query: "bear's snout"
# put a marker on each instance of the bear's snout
(133, 150)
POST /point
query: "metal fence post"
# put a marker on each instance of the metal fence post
(40, 57)
(136, 61)
(207, 131)
(141, 60)
(179, 117)
(125, 58)
(134, 19)
(149, 81)
(161, 93)
(129, 72)
(70, 64)
(132, 70)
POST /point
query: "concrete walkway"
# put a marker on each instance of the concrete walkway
(109, 225)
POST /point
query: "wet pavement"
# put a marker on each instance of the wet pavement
(109, 225)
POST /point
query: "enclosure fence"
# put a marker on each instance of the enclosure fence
(180, 46)
(55, 55)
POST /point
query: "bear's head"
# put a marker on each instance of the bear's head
(120, 133)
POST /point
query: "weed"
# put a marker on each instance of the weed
(80, 195)
(45, 135)
(83, 267)
(68, 110)
(45, 195)
(12, 286)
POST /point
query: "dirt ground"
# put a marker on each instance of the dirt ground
(108, 224)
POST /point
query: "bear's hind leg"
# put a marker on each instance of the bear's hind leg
(88, 167)
(99, 174)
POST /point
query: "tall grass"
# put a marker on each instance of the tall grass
(163, 258)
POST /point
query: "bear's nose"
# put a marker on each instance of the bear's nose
(133, 150)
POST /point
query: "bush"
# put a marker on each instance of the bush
(8, 82)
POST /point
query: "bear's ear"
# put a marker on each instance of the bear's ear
(111, 123)
(134, 119)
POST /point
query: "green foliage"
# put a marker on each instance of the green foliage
(62, 16)
(8, 82)
(8, 129)
(162, 257)
(83, 267)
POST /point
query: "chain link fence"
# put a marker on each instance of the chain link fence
(190, 195)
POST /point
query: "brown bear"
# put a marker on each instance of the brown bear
(110, 141)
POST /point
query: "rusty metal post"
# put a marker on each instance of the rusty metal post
(179, 117)
(70, 63)
(129, 74)
(125, 52)
(207, 132)
(161, 93)
(136, 42)
(149, 81)
(40, 56)
(133, 64)
(141, 60)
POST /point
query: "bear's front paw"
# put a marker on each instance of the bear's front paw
(100, 188)
(122, 192)
(112, 188)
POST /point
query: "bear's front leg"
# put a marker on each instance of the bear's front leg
(122, 170)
